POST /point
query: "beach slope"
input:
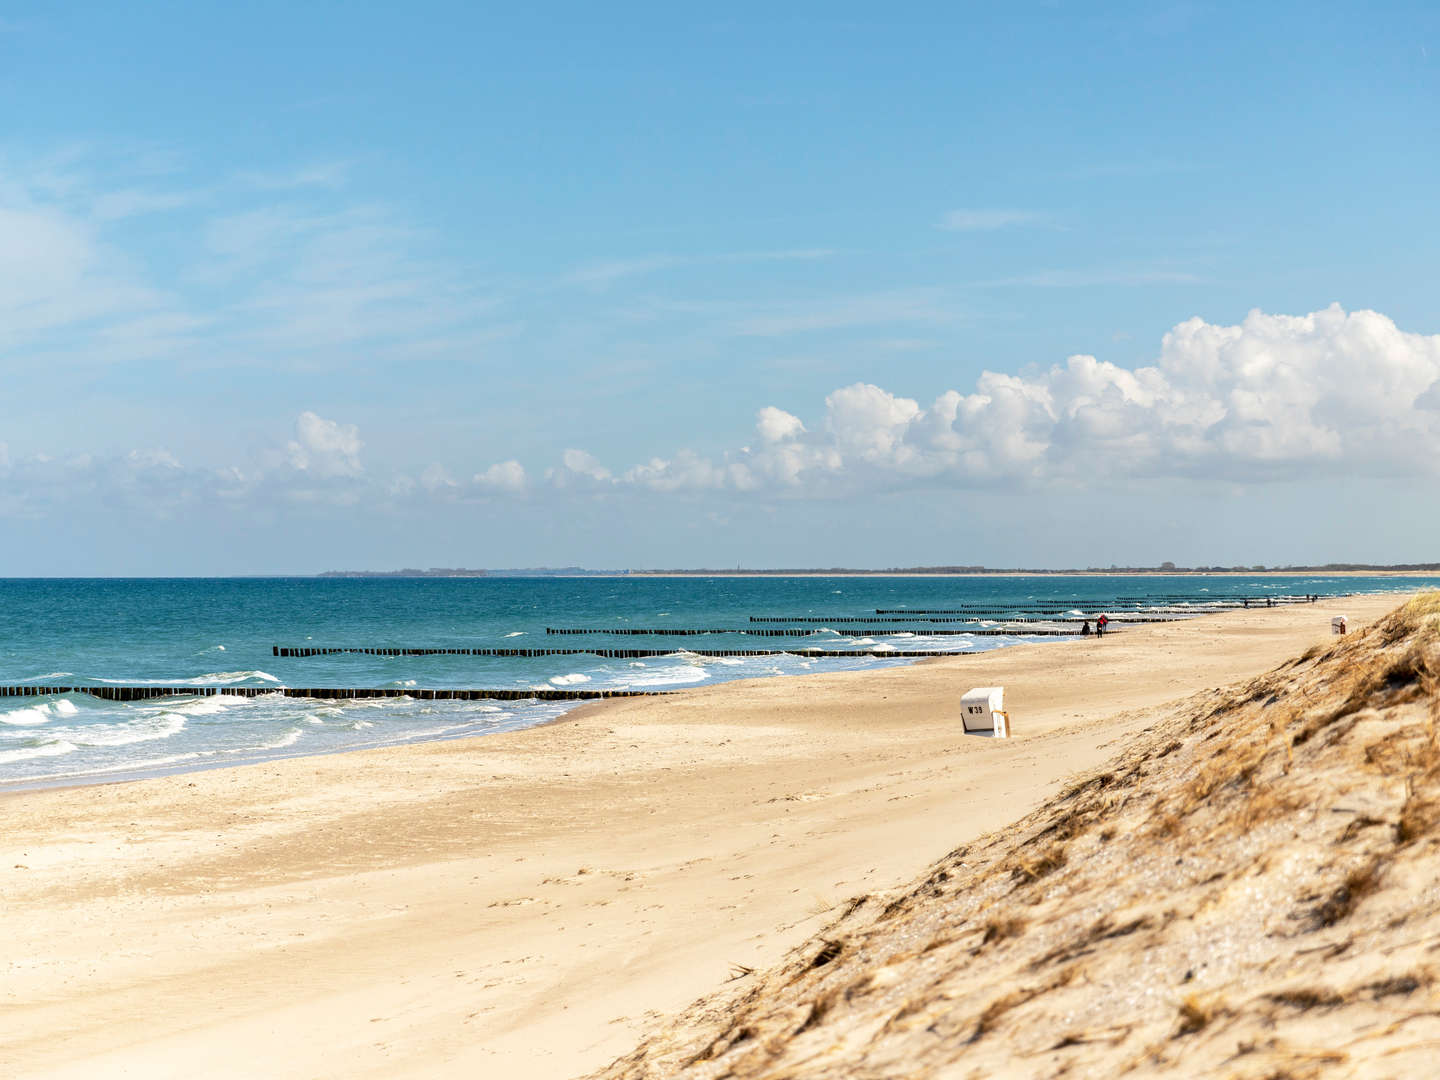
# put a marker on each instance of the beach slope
(1248, 890)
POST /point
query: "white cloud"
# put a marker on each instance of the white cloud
(1275, 398)
(55, 272)
(579, 468)
(777, 425)
(325, 448)
(505, 476)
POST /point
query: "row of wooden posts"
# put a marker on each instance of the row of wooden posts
(802, 631)
(615, 654)
(141, 693)
(840, 621)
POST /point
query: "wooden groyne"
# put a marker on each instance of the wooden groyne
(142, 693)
(613, 654)
(807, 631)
(1158, 605)
(844, 620)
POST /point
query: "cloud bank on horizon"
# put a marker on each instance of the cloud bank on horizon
(1276, 398)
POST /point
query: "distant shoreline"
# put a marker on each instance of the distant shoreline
(498, 575)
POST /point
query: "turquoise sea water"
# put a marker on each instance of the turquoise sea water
(220, 633)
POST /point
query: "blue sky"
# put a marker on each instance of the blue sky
(289, 287)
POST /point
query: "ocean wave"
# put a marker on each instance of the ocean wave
(214, 678)
(206, 706)
(35, 715)
(290, 738)
(516, 633)
(137, 767)
(569, 680)
(233, 677)
(145, 729)
(701, 661)
(677, 676)
(29, 753)
(47, 675)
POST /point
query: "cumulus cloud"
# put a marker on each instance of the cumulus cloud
(325, 448)
(505, 476)
(1277, 397)
(579, 468)
(777, 425)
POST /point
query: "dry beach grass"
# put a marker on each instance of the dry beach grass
(1249, 890)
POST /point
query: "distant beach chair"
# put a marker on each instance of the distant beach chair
(1339, 624)
(982, 712)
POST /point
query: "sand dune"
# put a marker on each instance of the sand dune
(1247, 891)
(531, 904)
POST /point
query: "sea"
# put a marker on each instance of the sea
(221, 634)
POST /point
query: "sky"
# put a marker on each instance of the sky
(307, 286)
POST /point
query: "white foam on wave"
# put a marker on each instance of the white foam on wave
(676, 676)
(214, 678)
(569, 680)
(290, 738)
(885, 648)
(863, 641)
(516, 633)
(206, 706)
(35, 715)
(28, 753)
(144, 729)
(698, 660)
(234, 677)
(136, 767)
(47, 675)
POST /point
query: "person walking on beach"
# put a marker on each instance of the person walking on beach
(1085, 629)
(1100, 624)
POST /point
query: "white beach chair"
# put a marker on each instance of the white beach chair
(982, 712)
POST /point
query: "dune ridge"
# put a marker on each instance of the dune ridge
(1248, 890)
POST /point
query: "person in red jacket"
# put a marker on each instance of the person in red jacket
(1100, 624)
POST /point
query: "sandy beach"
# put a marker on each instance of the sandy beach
(527, 904)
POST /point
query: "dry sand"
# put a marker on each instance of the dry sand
(529, 904)
(1248, 891)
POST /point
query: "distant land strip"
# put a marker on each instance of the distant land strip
(1164, 569)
